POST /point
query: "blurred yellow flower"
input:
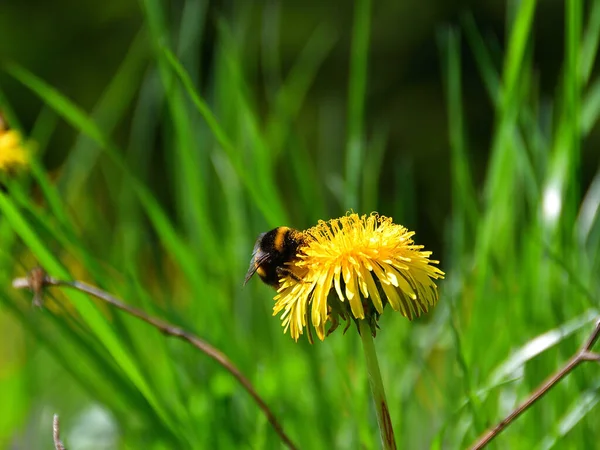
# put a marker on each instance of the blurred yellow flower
(13, 155)
(368, 261)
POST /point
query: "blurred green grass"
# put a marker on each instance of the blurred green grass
(173, 234)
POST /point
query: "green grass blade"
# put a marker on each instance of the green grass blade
(357, 91)
(268, 204)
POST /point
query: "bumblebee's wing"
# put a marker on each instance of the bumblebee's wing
(259, 257)
(255, 263)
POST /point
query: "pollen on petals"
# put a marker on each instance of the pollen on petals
(353, 267)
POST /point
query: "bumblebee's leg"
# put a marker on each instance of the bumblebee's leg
(284, 271)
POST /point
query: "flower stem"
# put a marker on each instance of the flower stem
(383, 412)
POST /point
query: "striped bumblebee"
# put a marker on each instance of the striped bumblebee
(273, 252)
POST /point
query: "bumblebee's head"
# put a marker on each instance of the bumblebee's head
(272, 251)
(259, 257)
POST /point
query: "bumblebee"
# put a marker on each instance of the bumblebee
(273, 252)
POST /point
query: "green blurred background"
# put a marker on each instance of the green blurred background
(168, 135)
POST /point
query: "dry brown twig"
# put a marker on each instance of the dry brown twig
(58, 445)
(37, 280)
(585, 353)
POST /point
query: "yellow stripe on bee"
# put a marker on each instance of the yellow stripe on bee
(281, 232)
(260, 271)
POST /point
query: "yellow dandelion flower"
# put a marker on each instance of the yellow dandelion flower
(368, 261)
(13, 155)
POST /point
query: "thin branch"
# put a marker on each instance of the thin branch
(584, 354)
(58, 445)
(37, 280)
